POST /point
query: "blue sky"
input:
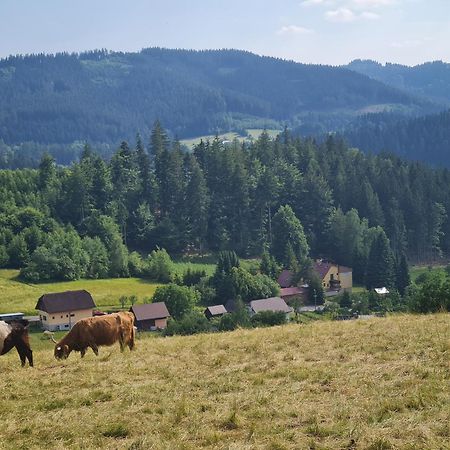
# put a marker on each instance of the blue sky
(311, 31)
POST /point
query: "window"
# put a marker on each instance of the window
(53, 317)
(62, 317)
(72, 315)
(67, 315)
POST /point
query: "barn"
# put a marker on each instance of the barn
(150, 316)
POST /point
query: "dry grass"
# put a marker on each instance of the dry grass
(376, 384)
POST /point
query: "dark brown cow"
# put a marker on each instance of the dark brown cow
(96, 331)
(15, 334)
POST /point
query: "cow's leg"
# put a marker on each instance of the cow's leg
(94, 349)
(83, 352)
(24, 353)
(131, 341)
(22, 356)
(30, 357)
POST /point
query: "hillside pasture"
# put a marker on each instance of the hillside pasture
(373, 384)
(19, 296)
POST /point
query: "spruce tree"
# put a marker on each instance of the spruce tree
(380, 265)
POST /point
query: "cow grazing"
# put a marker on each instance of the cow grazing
(15, 334)
(97, 331)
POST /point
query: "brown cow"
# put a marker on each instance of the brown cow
(15, 334)
(96, 331)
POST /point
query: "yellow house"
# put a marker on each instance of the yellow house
(61, 310)
(334, 276)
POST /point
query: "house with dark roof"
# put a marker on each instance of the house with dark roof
(61, 310)
(150, 316)
(215, 311)
(334, 277)
(274, 304)
(294, 294)
(285, 278)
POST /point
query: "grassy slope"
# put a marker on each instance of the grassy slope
(18, 296)
(383, 383)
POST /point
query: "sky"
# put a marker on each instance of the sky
(309, 31)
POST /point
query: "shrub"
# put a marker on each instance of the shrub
(160, 266)
(192, 277)
(268, 318)
(193, 322)
(135, 264)
(178, 299)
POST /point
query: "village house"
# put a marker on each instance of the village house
(215, 311)
(334, 277)
(274, 304)
(61, 310)
(150, 316)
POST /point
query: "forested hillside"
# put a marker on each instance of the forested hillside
(104, 97)
(430, 79)
(289, 196)
(424, 138)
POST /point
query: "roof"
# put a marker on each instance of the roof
(381, 291)
(285, 279)
(65, 301)
(216, 310)
(322, 267)
(270, 304)
(150, 311)
(285, 292)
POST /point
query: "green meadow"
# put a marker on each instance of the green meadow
(17, 296)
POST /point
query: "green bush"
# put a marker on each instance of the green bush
(178, 299)
(268, 318)
(192, 323)
(160, 266)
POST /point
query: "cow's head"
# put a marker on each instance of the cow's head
(61, 351)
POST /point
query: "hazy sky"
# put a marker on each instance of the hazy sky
(313, 31)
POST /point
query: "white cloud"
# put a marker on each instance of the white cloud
(343, 15)
(294, 30)
(346, 15)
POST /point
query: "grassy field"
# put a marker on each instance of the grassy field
(19, 296)
(254, 133)
(415, 271)
(374, 384)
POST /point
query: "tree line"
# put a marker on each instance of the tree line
(291, 197)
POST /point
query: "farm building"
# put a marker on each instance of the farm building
(61, 310)
(215, 311)
(150, 316)
(274, 304)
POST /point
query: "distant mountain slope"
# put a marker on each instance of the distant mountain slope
(425, 138)
(430, 80)
(106, 97)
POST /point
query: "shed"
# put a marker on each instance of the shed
(61, 310)
(275, 304)
(215, 311)
(9, 317)
(150, 316)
